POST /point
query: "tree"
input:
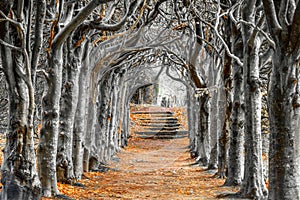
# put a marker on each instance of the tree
(51, 101)
(284, 99)
(235, 161)
(19, 175)
(253, 183)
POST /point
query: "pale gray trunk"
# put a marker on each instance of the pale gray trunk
(224, 136)
(80, 117)
(213, 157)
(69, 99)
(47, 149)
(203, 141)
(196, 137)
(284, 100)
(113, 126)
(119, 112)
(236, 158)
(284, 110)
(126, 122)
(190, 111)
(110, 118)
(122, 114)
(253, 185)
(104, 116)
(214, 115)
(91, 120)
(19, 176)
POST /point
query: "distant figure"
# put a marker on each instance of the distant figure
(163, 102)
(168, 103)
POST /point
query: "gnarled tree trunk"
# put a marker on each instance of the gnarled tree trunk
(47, 150)
(284, 100)
(69, 99)
(80, 116)
(253, 185)
(235, 158)
(19, 176)
(284, 111)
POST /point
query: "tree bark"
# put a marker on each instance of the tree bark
(47, 150)
(19, 176)
(214, 114)
(69, 99)
(80, 116)
(235, 161)
(253, 184)
(284, 100)
(284, 110)
(224, 136)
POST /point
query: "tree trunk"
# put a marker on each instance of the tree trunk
(253, 185)
(109, 118)
(104, 117)
(80, 117)
(47, 150)
(214, 115)
(119, 111)
(69, 99)
(224, 136)
(284, 110)
(284, 100)
(113, 142)
(19, 175)
(235, 161)
(123, 116)
(195, 148)
(213, 158)
(203, 137)
(190, 116)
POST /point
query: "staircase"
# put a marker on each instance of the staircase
(158, 125)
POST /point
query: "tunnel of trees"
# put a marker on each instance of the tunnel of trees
(69, 70)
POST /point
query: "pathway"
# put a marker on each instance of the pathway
(150, 169)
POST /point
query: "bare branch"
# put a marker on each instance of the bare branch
(10, 46)
(215, 28)
(271, 16)
(270, 41)
(10, 20)
(78, 19)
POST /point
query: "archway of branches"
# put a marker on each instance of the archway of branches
(138, 66)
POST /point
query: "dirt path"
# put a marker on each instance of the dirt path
(150, 169)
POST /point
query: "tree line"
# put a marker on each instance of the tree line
(70, 69)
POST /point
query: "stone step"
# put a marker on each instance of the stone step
(161, 125)
(160, 118)
(156, 132)
(158, 124)
(162, 135)
(154, 121)
(162, 128)
(153, 113)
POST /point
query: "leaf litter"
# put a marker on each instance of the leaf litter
(151, 169)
